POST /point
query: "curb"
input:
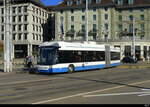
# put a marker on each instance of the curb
(133, 67)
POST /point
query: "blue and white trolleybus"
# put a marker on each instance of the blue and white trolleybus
(59, 57)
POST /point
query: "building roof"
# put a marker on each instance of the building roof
(103, 3)
(36, 2)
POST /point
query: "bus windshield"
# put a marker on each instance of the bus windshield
(47, 56)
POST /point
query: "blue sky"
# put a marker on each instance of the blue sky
(51, 2)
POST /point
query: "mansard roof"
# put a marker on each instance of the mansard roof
(103, 3)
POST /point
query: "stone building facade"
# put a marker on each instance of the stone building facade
(28, 20)
(110, 21)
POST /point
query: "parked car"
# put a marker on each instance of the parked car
(128, 59)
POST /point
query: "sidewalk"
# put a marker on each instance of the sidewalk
(139, 65)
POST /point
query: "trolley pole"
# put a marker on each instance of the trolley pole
(7, 39)
(87, 33)
(133, 40)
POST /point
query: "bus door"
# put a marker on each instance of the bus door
(107, 56)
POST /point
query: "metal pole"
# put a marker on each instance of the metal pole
(7, 42)
(10, 36)
(87, 34)
(133, 41)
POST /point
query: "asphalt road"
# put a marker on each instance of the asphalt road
(105, 86)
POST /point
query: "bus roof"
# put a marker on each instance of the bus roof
(86, 46)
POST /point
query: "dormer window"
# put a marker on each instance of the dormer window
(130, 1)
(98, 1)
(120, 2)
(78, 2)
(89, 1)
(69, 3)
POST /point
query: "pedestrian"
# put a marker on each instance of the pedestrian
(29, 61)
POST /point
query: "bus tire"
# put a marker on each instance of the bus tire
(70, 68)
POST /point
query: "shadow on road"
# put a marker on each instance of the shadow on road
(108, 82)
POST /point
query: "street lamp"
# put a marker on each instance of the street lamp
(87, 33)
(133, 40)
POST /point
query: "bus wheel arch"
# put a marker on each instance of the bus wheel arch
(71, 68)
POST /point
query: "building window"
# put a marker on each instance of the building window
(120, 17)
(40, 29)
(78, 2)
(14, 18)
(72, 27)
(130, 28)
(33, 18)
(142, 27)
(37, 20)
(83, 18)
(2, 10)
(142, 10)
(89, 1)
(14, 9)
(83, 10)
(106, 9)
(83, 28)
(14, 27)
(72, 11)
(72, 18)
(2, 37)
(33, 27)
(120, 2)
(37, 11)
(130, 17)
(33, 9)
(25, 36)
(106, 26)
(98, 1)
(94, 17)
(2, 27)
(19, 9)
(37, 37)
(40, 37)
(37, 28)
(14, 36)
(94, 27)
(130, 1)
(120, 27)
(19, 36)
(2, 20)
(25, 9)
(69, 3)
(25, 18)
(142, 17)
(94, 9)
(61, 11)
(33, 36)
(25, 27)
(20, 17)
(106, 16)
(20, 27)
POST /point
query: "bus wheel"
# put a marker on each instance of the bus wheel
(70, 69)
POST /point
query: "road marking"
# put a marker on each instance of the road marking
(117, 94)
(82, 94)
(10, 83)
(144, 94)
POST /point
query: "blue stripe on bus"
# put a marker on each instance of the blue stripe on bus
(115, 64)
(63, 70)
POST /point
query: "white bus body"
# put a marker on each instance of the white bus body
(58, 57)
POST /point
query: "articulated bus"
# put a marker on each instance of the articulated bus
(61, 57)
